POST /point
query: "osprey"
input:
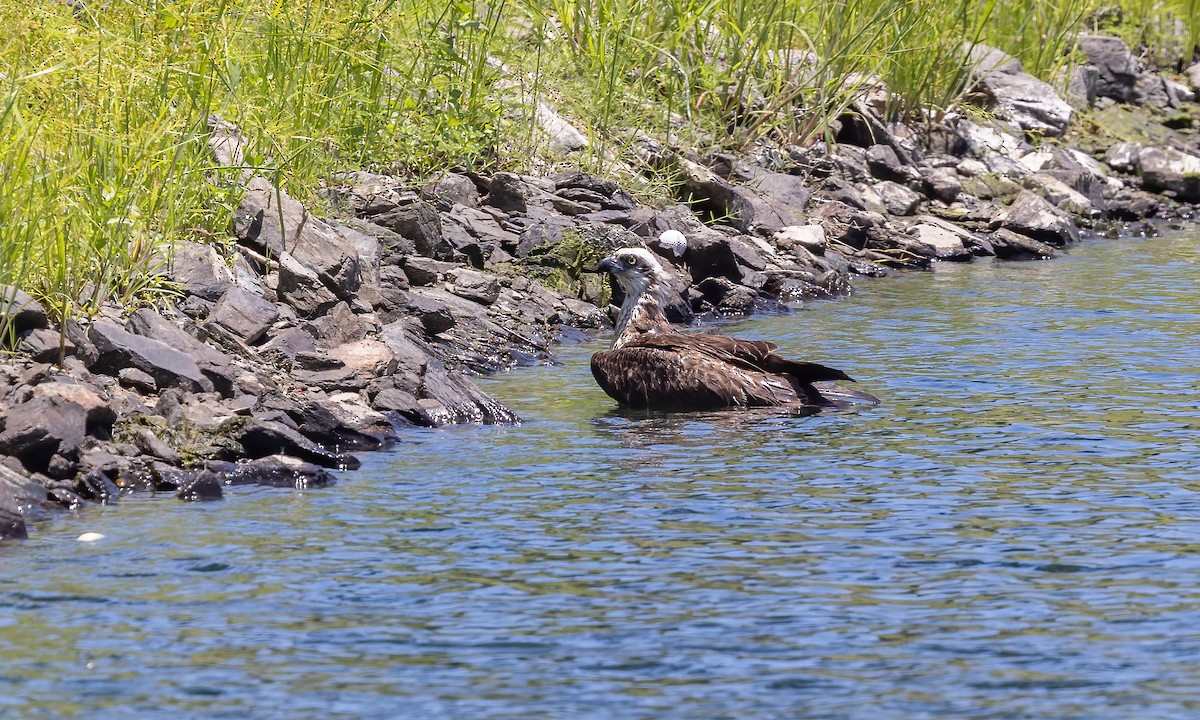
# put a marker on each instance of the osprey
(652, 365)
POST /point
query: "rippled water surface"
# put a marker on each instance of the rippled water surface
(1015, 533)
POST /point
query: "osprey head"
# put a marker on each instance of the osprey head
(634, 269)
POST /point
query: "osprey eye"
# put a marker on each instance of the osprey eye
(630, 260)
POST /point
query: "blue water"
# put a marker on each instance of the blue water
(1014, 533)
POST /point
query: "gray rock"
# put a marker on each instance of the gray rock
(199, 486)
(1123, 156)
(474, 285)
(509, 192)
(119, 349)
(1030, 103)
(201, 270)
(302, 288)
(545, 232)
(1117, 66)
(1032, 215)
(941, 184)
(274, 471)
(150, 444)
(226, 142)
(17, 494)
(288, 342)
(1082, 85)
(897, 199)
(1009, 245)
(561, 136)
(37, 430)
(243, 314)
(947, 241)
(137, 380)
(19, 312)
(1151, 89)
(370, 252)
(433, 314)
(43, 345)
(339, 325)
(261, 438)
(1166, 170)
(98, 412)
(216, 365)
(422, 271)
(418, 222)
(1193, 76)
(450, 189)
(272, 222)
(884, 164)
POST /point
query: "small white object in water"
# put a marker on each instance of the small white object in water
(674, 241)
(90, 537)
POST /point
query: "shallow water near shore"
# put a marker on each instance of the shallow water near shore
(1015, 532)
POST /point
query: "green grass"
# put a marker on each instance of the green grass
(103, 112)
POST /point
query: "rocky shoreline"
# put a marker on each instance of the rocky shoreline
(313, 338)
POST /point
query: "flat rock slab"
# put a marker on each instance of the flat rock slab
(118, 349)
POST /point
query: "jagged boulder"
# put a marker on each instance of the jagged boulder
(200, 270)
(1117, 66)
(1030, 214)
(272, 222)
(118, 349)
(1032, 104)
(1166, 170)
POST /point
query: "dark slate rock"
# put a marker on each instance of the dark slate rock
(200, 270)
(150, 444)
(200, 486)
(424, 271)
(309, 240)
(23, 313)
(884, 164)
(509, 193)
(579, 179)
(36, 430)
(338, 326)
(137, 380)
(261, 438)
(274, 471)
(119, 349)
(287, 343)
(941, 184)
(449, 189)
(302, 288)
(546, 232)
(43, 345)
(1117, 66)
(451, 399)
(1131, 204)
(418, 222)
(17, 494)
(433, 314)
(243, 314)
(214, 364)
(1030, 214)
(315, 421)
(1009, 245)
